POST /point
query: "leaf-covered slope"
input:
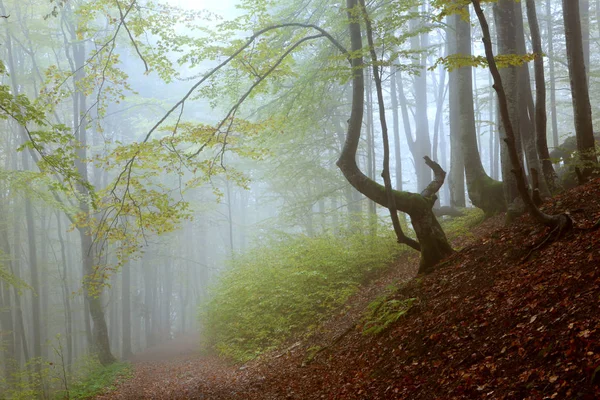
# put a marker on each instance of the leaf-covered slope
(499, 321)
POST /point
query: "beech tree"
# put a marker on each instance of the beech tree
(584, 130)
(484, 192)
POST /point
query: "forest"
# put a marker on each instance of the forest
(271, 199)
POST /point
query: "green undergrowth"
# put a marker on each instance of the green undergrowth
(461, 226)
(383, 312)
(287, 286)
(51, 380)
(98, 379)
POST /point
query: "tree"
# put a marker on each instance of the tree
(433, 243)
(579, 90)
(540, 98)
(484, 192)
(506, 29)
(559, 223)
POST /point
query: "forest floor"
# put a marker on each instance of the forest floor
(509, 316)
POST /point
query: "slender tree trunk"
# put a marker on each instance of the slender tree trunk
(126, 312)
(66, 293)
(560, 222)
(396, 127)
(526, 105)
(7, 341)
(584, 12)
(456, 180)
(504, 12)
(422, 139)
(540, 98)
(552, 72)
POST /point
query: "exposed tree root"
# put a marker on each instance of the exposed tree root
(565, 225)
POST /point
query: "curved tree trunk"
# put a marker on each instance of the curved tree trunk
(433, 242)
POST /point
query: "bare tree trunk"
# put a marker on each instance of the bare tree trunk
(66, 293)
(7, 341)
(584, 12)
(396, 128)
(126, 311)
(484, 192)
(526, 105)
(560, 222)
(432, 240)
(540, 98)
(422, 139)
(504, 12)
(551, 70)
(456, 180)
(586, 145)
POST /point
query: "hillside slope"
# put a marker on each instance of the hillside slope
(510, 316)
(505, 318)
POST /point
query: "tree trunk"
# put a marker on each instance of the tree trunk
(93, 293)
(7, 339)
(456, 180)
(484, 192)
(584, 12)
(422, 140)
(526, 105)
(504, 12)
(433, 242)
(560, 222)
(66, 293)
(540, 98)
(396, 128)
(126, 312)
(552, 72)
(579, 90)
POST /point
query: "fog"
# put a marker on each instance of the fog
(150, 158)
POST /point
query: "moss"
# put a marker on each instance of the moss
(487, 194)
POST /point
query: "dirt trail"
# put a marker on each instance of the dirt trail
(174, 370)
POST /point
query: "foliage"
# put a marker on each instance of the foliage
(384, 311)
(89, 379)
(287, 285)
(459, 226)
(97, 379)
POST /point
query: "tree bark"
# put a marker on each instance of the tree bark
(422, 140)
(484, 192)
(396, 128)
(540, 98)
(504, 13)
(551, 70)
(433, 242)
(126, 310)
(561, 222)
(456, 180)
(526, 105)
(579, 89)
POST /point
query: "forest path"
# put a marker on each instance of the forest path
(175, 370)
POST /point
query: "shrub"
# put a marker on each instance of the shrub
(286, 286)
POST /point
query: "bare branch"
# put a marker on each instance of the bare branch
(439, 175)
